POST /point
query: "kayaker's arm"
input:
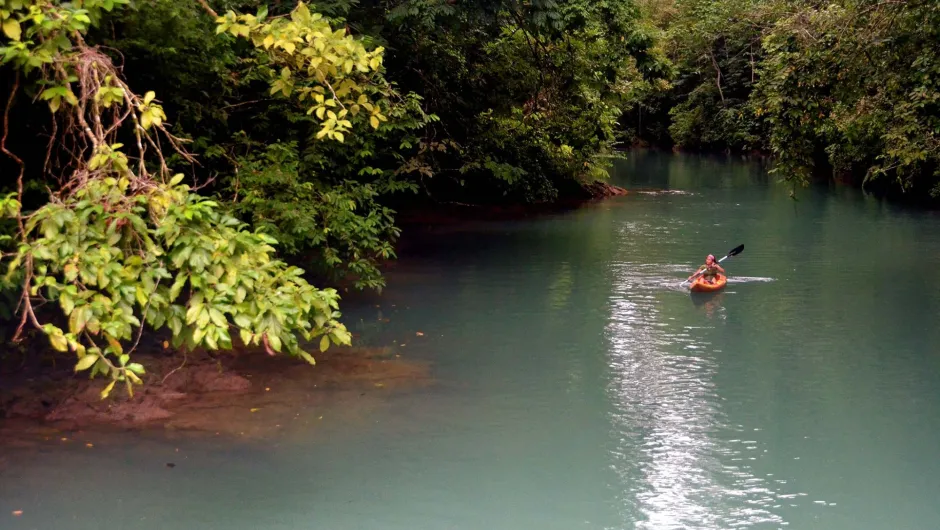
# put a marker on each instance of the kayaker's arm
(719, 267)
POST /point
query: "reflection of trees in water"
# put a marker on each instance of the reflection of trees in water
(559, 290)
(686, 171)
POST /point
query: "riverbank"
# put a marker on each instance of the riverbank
(430, 213)
(241, 395)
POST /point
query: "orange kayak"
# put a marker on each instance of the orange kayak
(700, 285)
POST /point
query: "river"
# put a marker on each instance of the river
(578, 386)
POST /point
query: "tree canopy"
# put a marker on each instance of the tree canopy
(846, 88)
(193, 150)
(190, 153)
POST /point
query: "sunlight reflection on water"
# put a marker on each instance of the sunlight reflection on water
(665, 415)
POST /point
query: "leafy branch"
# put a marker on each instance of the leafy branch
(121, 246)
(308, 59)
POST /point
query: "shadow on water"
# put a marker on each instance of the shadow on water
(707, 300)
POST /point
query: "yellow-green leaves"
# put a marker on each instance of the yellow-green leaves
(56, 95)
(122, 250)
(109, 95)
(58, 342)
(240, 30)
(315, 62)
(86, 362)
(283, 84)
(194, 270)
(334, 124)
(136, 368)
(11, 28)
(307, 357)
(151, 114)
(110, 157)
(78, 318)
(9, 206)
(37, 32)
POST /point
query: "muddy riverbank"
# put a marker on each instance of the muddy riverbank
(245, 394)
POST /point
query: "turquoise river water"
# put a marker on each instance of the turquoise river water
(578, 386)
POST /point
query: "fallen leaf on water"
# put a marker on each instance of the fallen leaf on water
(255, 410)
(402, 345)
(17, 513)
(419, 334)
(89, 445)
(65, 439)
(267, 389)
(379, 385)
(321, 417)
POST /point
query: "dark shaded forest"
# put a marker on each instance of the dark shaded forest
(167, 163)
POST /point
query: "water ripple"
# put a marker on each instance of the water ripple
(657, 277)
(665, 416)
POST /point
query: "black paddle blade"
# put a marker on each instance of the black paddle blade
(736, 250)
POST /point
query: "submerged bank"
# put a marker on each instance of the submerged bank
(236, 395)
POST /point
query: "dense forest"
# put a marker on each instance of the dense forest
(168, 162)
(831, 89)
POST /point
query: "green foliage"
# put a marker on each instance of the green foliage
(530, 92)
(234, 127)
(517, 103)
(306, 123)
(850, 88)
(715, 46)
(321, 199)
(343, 223)
(114, 261)
(119, 249)
(49, 28)
(856, 86)
(306, 57)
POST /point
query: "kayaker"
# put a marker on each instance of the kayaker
(711, 268)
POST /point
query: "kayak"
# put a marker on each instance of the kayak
(700, 285)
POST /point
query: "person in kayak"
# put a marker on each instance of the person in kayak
(711, 269)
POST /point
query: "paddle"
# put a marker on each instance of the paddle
(734, 252)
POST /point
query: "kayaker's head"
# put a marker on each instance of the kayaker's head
(710, 259)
